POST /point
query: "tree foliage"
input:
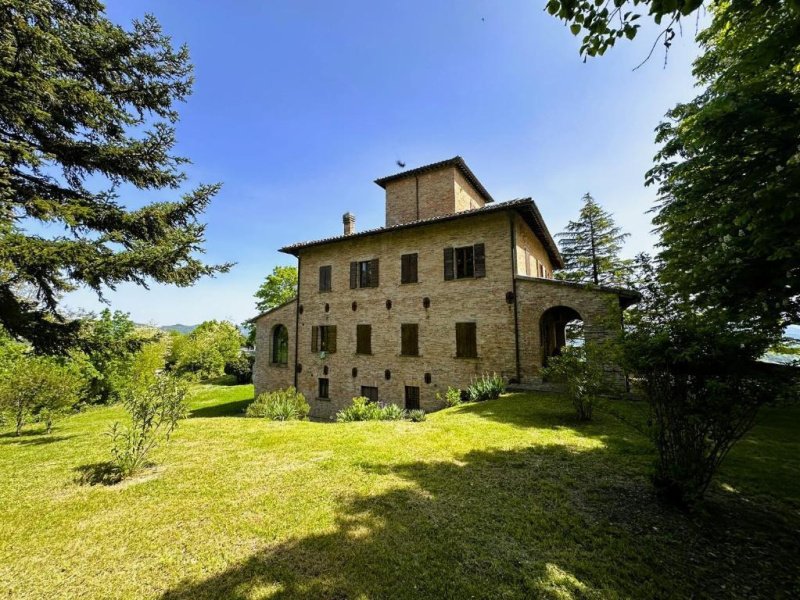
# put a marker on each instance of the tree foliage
(279, 287)
(591, 245)
(87, 107)
(111, 342)
(39, 387)
(154, 409)
(728, 172)
(702, 380)
(206, 350)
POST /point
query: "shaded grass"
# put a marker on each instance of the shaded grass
(505, 499)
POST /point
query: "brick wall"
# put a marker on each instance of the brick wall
(482, 300)
(430, 194)
(528, 243)
(599, 310)
(267, 375)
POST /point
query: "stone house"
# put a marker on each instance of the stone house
(453, 286)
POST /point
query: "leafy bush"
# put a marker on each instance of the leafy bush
(204, 353)
(280, 405)
(416, 415)
(488, 387)
(39, 387)
(392, 412)
(154, 410)
(360, 410)
(241, 368)
(452, 397)
(580, 369)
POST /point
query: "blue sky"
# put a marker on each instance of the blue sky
(299, 106)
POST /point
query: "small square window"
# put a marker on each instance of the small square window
(412, 397)
(323, 387)
(370, 393)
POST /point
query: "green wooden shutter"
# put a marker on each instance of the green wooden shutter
(331, 338)
(448, 264)
(353, 275)
(374, 275)
(479, 258)
(314, 338)
(409, 339)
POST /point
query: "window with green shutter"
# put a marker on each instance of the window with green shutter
(364, 274)
(466, 340)
(363, 339)
(409, 339)
(465, 262)
(408, 268)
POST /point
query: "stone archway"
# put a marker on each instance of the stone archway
(553, 330)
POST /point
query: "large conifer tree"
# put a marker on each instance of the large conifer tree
(591, 245)
(86, 107)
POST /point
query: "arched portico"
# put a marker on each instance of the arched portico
(553, 330)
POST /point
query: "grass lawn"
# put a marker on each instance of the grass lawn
(510, 498)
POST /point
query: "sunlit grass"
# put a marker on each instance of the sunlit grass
(508, 498)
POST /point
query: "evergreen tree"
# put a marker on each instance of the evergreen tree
(590, 247)
(87, 107)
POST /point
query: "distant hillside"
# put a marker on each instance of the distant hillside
(179, 328)
(184, 329)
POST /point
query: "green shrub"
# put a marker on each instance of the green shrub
(488, 387)
(39, 388)
(280, 405)
(154, 410)
(580, 369)
(360, 410)
(452, 397)
(392, 412)
(241, 368)
(416, 415)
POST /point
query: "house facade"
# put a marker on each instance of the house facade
(452, 287)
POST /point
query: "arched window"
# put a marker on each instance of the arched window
(280, 345)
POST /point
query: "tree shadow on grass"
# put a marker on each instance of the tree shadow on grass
(538, 522)
(32, 438)
(234, 408)
(101, 473)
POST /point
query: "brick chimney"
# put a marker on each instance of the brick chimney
(349, 221)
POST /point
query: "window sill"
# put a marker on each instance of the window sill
(409, 355)
(323, 399)
(325, 291)
(279, 365)
(363, 354)
(467, 357)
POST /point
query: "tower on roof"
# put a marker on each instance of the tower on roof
(438, 189)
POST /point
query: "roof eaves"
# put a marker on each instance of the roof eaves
(456, 162)
(513, 204)
(271, 310)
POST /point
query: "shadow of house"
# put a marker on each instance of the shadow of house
(523, 523)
